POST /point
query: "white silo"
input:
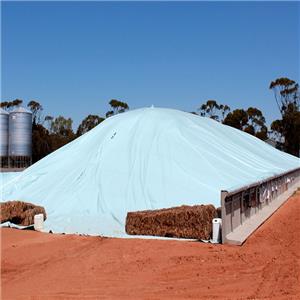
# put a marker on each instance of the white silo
(3, 137)
(20, 137)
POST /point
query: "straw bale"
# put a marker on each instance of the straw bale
(193, 222)
(19, 212)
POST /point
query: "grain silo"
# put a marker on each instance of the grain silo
(20, 137)
(3, 137)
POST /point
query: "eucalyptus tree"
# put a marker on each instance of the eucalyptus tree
(251, 121)
(36, 109)
(62, 126)
(116, 107)
(9, 105)
(286, 93)
(88, 123)
(214, 110)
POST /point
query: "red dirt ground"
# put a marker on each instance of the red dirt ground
(47, 266)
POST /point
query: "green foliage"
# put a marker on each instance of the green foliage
(214, 110)
(237, 119)
(8, 105)
(41, 142)
(251, 121)
(45, 141)
(257, 121)
(48, 121)
(109, 113)
(3, 104)
(17, 102)
(262, 134)
(88, 123)
(62, 127)
(286, 92)
(36, 109)
(277, 129)
(58, 131)
(116, 107)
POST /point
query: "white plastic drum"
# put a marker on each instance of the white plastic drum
(39, 222)
(216, 224)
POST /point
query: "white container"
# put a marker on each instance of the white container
(216, 234)
(38, 222)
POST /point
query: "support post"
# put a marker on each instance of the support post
(224, 228)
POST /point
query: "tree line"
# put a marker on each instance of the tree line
(50, 133)
(284, 131)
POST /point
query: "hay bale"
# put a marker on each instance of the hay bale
(20, 213)
(193, 222)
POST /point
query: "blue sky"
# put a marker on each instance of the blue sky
(74, 57)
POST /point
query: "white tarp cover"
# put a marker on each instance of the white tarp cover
(147, 158)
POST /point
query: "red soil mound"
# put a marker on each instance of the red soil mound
(46, 266)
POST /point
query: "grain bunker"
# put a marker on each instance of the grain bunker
(156, 158)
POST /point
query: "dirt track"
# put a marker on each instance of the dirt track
(51, 266)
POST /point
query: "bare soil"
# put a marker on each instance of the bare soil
(49, 266)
